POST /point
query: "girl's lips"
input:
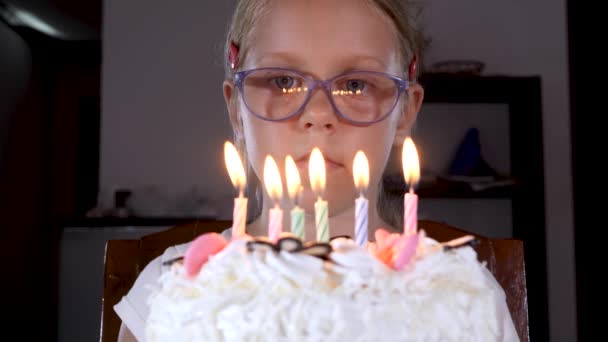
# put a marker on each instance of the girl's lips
(330, 165)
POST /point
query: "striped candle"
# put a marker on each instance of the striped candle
(316, 172)
(294, 188)
(411, 174)
(321, 220)
(239, 216)
(275, 223)
(297, 222)
(237, 176)
(410, 210)
(274, 187)
(361, 178)
(361, 210)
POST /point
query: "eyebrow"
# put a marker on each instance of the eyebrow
(283, 57)
(367, 60)
(355, 60)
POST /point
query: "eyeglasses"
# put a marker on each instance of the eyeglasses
(358, 97)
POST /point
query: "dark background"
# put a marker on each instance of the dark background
(39, 185)
(587, 107)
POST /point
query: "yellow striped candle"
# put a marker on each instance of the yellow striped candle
(316, 171)
(294, 187)
(322, 220)
(297, 223)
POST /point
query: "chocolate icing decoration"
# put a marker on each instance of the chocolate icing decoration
(341, 237)
(289, 244)
(172, 261)
(287, 234)
(471, 243)
(318, 249)
(260, 245)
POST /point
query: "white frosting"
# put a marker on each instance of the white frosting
(269, 296)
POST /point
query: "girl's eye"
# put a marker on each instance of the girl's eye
(284, 82)
(355, 85)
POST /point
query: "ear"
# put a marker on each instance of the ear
(230, 96)
(409, 113)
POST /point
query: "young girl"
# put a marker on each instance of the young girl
(333, 74)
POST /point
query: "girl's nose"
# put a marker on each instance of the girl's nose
(318, 115)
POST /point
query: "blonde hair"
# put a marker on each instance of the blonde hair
(401, 14)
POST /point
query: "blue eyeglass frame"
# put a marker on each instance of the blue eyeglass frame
(312, 84)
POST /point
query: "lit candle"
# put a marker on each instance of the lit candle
(294, 187)
(361, 176)
(274, 187)
(411, 173)
(316, 171)
(237, 176)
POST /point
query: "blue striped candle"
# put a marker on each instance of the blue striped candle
(361, 178)
(361, 211)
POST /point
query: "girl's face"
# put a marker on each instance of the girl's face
(324, 38)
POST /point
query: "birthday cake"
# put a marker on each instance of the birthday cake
(399, 288)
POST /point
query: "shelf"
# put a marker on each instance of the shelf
(444, 188)
(130, 221)
(446, 88)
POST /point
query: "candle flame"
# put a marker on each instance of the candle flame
(361, 171)
(272, 179)
(316, 171)
(411, 164)
(293, 178)
(234, 166)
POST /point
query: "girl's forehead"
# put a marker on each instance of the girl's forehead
(332, 33)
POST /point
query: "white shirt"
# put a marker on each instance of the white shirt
(133, 307)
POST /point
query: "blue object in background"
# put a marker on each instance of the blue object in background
(468, 160)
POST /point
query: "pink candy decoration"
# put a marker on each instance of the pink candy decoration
(394, 250)
(381, 235)
(200, 250)
(407, 249)
(385, 239)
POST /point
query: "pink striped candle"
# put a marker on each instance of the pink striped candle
(275, 223)
(411, 174)
(237, 176)
(410, 210)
